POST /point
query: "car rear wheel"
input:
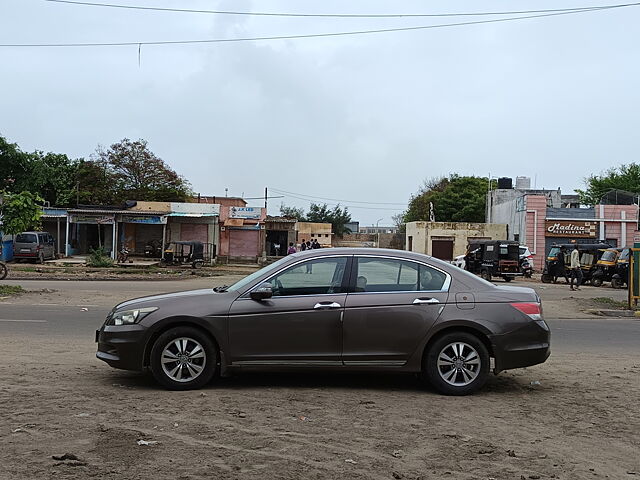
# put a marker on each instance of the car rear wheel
(183, 358)
(615, 282)
(457, 364)
(486, 275)
(596, 281)
(546, 278)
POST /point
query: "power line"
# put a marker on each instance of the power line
(397, 209)
(312, 197)
(330, 15)
(311, 35)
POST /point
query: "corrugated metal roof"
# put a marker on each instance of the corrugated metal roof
(116, 212)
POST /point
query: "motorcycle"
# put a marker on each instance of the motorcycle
(123, 255)
(526, 268)
(153, 249)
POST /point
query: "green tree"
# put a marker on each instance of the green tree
(337, 217)
(138, 174)
(455, 199)
(624, 177)
(20, 212)
(292, 212)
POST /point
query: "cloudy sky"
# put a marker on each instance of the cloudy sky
(355, 118)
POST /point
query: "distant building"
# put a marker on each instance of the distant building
(373, 229)
(308, 231)
(447, 240)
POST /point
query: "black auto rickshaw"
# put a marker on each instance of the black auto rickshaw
(621, 276)
(493, 258)
(184, 253)
(590, 253)
(605, 267)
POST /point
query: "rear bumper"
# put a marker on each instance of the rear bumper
(122, 347)
(527, 346)
(25, 255)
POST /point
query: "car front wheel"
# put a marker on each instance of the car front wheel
(183, 358)
(457, 364)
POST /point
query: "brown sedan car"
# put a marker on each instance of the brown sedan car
(341, 309)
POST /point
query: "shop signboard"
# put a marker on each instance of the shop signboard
(570, 228)
(253, 213)
(92, 219)
(146, 219)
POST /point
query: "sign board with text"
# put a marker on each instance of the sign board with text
(570, 228)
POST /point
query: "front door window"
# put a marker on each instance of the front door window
(315, 277)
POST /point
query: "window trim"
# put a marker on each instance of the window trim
(445, 286)
(346, 275)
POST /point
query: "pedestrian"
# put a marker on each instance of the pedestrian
(561, 271)
(576, 270)
(291, 249)
(276, 246)
(303, 246)
(315, 244)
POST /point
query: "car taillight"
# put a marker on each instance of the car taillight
(532, 310)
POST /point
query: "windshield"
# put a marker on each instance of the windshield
(624, 255)
(26, 238)
(554, 251)
(239, 285)
(609, 256)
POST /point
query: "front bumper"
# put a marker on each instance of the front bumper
(529, 345)
(122, 346)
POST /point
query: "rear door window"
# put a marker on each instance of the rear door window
(26, 238)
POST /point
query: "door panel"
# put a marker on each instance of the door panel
(394, 306)
(286, 330)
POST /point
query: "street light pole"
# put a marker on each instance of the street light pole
(378, 233)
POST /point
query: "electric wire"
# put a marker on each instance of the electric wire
(397, 209)
(330, 15)
(310, 35)
(313, 197)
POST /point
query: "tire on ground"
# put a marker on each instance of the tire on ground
(211, 358)
(431, 371)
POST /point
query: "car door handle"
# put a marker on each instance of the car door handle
(323, 305)
(426, 301)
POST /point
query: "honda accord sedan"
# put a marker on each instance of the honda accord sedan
(335, 309)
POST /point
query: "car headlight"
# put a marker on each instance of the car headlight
(129, 317)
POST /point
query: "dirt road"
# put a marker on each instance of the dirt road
(575, 417)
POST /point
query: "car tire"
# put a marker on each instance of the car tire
(40, 259)
(198, 264)
(508, 279)
(596, 281)
(195, 359)
(546, 278)
(3, 271)
(460, 351)
(486, 275)
(615, 282)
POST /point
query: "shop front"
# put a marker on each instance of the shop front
(88, 230)
(142, 233)
(242, 233)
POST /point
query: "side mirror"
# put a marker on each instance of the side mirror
(263, 292)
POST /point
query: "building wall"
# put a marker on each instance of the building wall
(423, 233)
(310, 230)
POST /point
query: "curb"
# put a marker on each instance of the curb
(614, 313)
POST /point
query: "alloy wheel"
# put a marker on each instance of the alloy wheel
(458, 364)
(183, 359)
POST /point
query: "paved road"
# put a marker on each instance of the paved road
(77, 308)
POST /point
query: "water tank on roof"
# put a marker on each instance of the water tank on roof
(523, 183)
(505, 183)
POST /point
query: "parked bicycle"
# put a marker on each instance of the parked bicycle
(123, 255)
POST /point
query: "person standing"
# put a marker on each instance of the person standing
(561, 270)
(303, 246)
(292, 249)
(576, 271)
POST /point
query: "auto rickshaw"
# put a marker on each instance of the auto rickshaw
(184, 253)
(606, 267)
(590, 253)
(493, 258)
(621, 276)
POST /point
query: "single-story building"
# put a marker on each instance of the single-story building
(307, 231)
(447, 240)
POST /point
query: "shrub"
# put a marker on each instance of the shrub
(99, 259)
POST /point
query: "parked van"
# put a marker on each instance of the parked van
(37, 246)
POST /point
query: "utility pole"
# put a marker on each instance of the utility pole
(265, 198)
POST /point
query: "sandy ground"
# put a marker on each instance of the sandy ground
(575, 417)
(577, 420)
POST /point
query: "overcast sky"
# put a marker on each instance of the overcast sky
(363, 118)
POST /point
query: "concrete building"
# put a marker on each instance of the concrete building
(540, 218)
(308, 231)
(280, 232)
(381, 229)
(447, 240)
(242, 233)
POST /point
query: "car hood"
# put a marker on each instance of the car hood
(168, 298)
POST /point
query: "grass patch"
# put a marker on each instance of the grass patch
(99, 259)
(11, 290)
(609, 302)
